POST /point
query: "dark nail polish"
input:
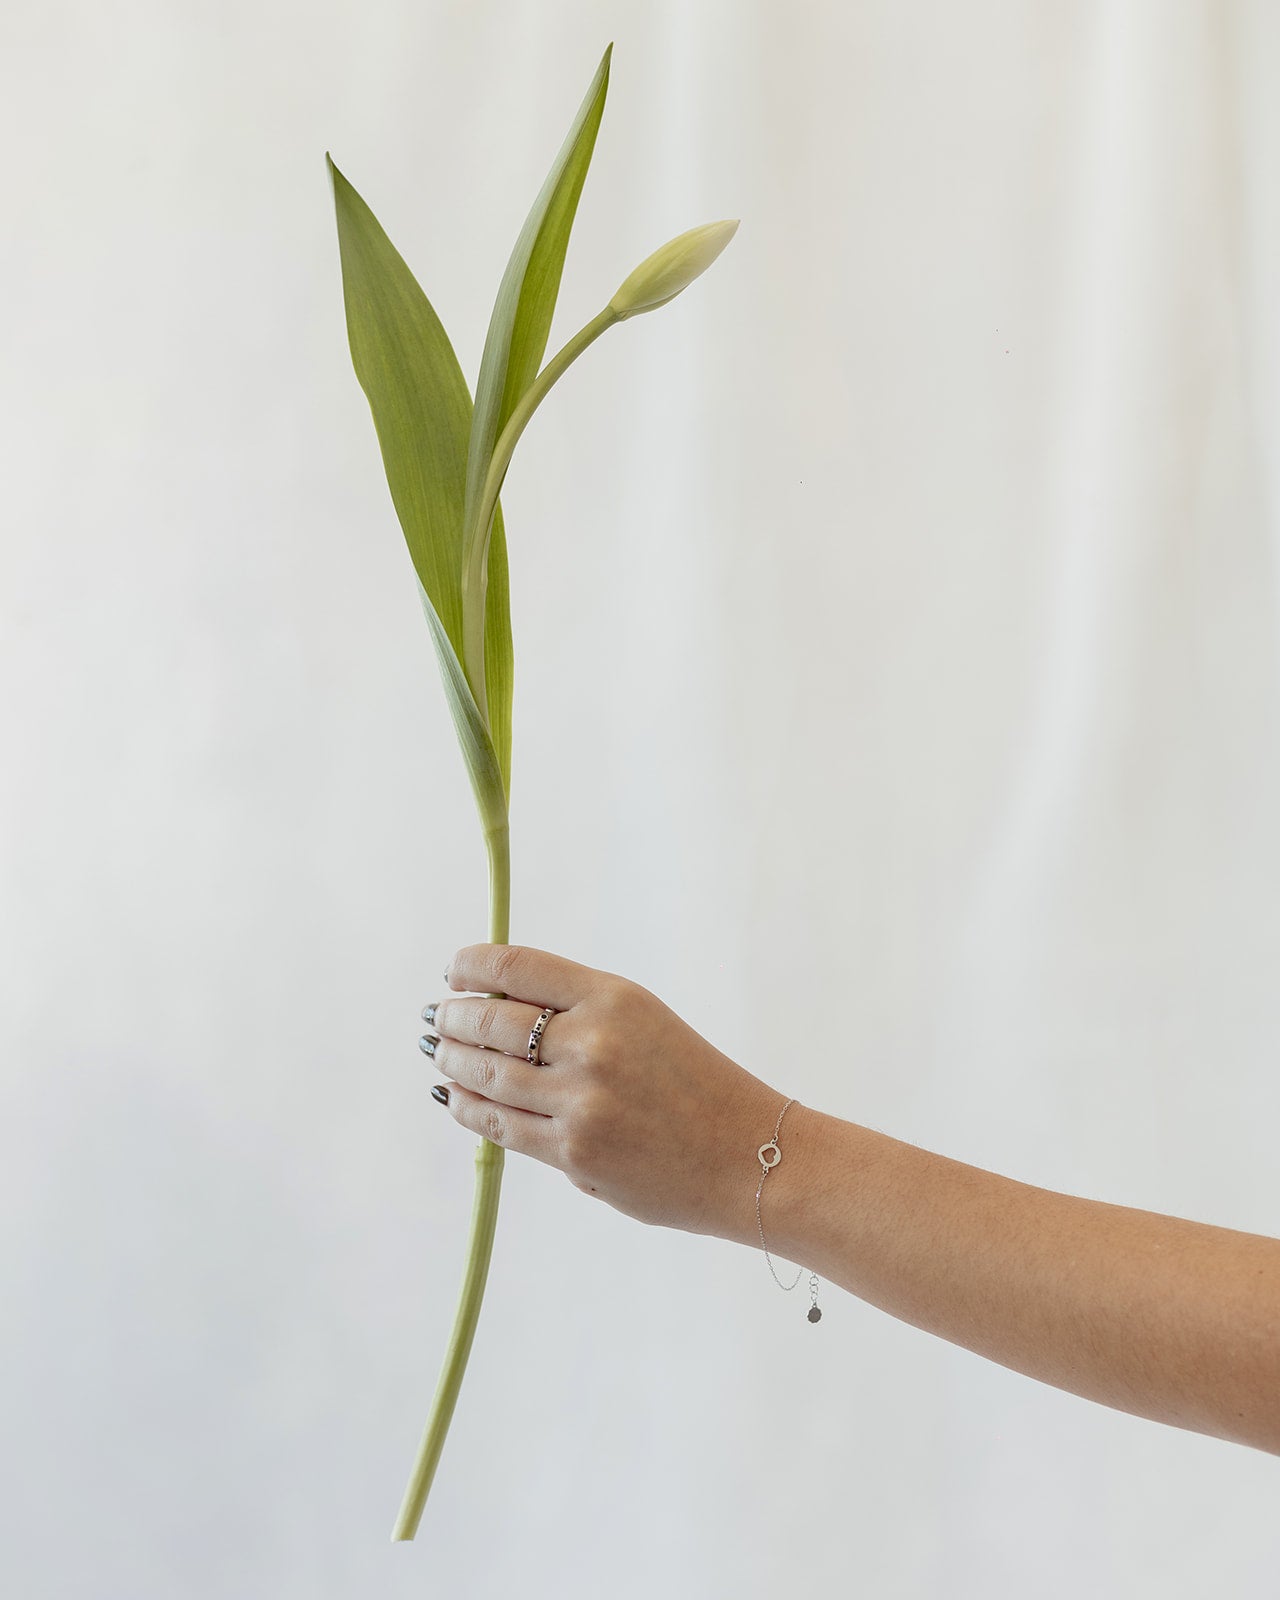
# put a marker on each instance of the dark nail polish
(446, 974)
(427, 1045)
(429, 1014)
(440, 1093)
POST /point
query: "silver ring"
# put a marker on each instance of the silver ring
(535, 1037)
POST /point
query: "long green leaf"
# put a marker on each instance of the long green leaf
(526, 300)
(487, 780)
(422, 413)
(518, 330)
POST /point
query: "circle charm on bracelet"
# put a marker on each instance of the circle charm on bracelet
(769, 1155)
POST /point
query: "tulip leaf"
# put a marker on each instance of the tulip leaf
(526, 301)
(513, 351)
(488, 782)
(422, 414)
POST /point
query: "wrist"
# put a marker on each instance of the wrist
(789, 1194)
(790, 1186)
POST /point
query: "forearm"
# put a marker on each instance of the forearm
(1155, 1315)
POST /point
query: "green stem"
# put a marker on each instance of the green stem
(475, 544)
(484, 1217)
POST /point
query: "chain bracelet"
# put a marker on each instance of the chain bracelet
(766, 1167)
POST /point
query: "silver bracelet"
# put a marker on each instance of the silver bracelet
(767, 1164)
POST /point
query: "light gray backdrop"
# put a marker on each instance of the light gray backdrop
(898, 647)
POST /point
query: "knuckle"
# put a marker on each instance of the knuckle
(493, 1125)
(618, 999)
(610, 995)
(585, 1132)
(506, 962)
(593, 1047)
(486, 1072)
(486, 1019)
(594, 1109)
(611, 1022)
(575, 1153)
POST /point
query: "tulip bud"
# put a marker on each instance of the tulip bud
(672, 267)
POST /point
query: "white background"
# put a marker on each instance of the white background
(897, 635)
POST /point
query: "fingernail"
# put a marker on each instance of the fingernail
(427, 1045)
(440, 1093)
(429, 1014)
(446, 974)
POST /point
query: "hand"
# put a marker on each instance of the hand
(627, 1100)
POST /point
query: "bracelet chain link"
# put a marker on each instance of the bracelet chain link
(769, 1156)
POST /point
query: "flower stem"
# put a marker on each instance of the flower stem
(484, 1217)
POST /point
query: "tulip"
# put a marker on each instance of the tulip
(445, 459)
(671, 268)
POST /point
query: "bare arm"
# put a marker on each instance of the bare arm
(1161, 1317)
(1164, 1318)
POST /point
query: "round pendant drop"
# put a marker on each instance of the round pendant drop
(814, 1314)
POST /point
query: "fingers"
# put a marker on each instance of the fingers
(513, 1083)
(521, 973)
(483, 1041)
(522, 1131)
(497, 1024)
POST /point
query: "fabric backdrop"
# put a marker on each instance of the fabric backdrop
(897, 624)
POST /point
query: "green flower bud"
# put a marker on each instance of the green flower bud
(661, 276)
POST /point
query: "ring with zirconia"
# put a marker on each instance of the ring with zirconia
(535, 1037)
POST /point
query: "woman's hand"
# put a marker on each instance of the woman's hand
(627, 1100)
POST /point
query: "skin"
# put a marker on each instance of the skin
(1168, 1319)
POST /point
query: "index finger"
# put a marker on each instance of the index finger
(521, 973)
